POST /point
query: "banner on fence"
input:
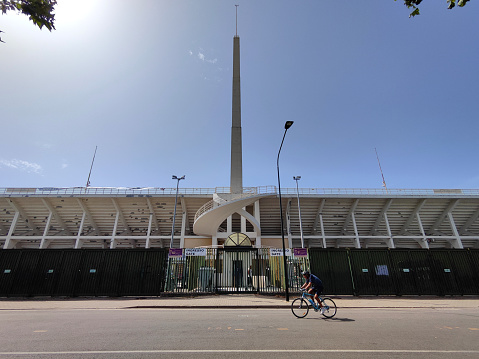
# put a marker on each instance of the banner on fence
(300, 252)
(278, 252)
(195, 252)
(175, 253)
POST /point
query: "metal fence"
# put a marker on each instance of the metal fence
(149, 272)
(82, 272)
(234, 270)
(397, 271)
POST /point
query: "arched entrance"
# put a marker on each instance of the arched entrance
(236, 261)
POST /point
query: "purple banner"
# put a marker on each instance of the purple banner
(300, 252)
(175, 253)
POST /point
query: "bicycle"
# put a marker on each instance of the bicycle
(300, 306)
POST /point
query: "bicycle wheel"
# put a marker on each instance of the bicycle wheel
(300, 307)
(329, 307)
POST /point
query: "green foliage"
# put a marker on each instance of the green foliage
(413, 4)
(39, 11)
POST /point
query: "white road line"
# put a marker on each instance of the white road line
(219, 351)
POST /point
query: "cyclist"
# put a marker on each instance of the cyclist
(313, 285)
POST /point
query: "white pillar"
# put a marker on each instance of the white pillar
(183, 230)
(390, 241)
(44, 242)
(9, 242)
(258, 218)
(147, 243)
(423, 243)
(79, 242)
(113, 242)
(456, 243)
(357, 243)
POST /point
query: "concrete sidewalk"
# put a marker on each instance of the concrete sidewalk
(230, 301)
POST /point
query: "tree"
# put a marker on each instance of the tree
(413, 4)
(39, 11)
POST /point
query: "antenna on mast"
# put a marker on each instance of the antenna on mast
(236, 20)
(380, 169)
(89, 174)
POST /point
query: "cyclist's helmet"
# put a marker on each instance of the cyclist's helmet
(306, 273)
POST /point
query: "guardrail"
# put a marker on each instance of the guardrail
(118, 191)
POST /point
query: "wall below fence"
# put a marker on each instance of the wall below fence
(135, 272)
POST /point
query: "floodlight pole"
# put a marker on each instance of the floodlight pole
(178, 179)
(297, 178)
(287, 125)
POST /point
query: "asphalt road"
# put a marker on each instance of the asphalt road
(239, 333)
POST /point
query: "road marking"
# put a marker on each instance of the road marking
(192, 351)
(283, 329)
(40, 331)
(239, 329)
(473, 328)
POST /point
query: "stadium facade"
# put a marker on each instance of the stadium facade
(89, 217)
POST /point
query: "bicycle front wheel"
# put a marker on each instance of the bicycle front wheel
(329, 307)
(300, 307)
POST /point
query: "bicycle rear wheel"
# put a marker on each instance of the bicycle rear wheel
(329, 307)
(300, 307)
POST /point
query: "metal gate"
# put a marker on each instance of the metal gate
(237, 270)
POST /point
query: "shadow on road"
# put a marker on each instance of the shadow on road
(335, 319)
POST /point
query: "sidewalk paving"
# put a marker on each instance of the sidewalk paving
(230, 301)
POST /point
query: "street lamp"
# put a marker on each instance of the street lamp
(287, 125)
(176, 201)
(297, 178)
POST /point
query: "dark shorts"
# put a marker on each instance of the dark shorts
(317, 290)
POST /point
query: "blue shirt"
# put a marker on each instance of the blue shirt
(316, 282)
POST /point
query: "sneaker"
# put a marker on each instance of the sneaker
(322, 310)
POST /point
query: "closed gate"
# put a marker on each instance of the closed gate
(235, 270)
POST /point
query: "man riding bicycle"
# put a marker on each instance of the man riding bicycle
(313, 285)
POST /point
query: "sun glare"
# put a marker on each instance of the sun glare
(71, 12)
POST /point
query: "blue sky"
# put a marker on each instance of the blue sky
(149, 83)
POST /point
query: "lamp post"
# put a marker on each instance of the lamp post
(297, 178)
(287, 125)
(178, 179)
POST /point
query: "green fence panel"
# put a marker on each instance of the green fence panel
(111, 273)
(464, 271)
(403, 272)
(444, 272)
(332, 266)
(154, 272)
(89, 273)
(132, 272)
(474, 256)
(372, 272)
(68, 272)
(25, 273)
(47, 272)
(9, 260)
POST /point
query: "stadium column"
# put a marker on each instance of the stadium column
(257, 215)
(9, 242)
(113, 242)
(148, 234)
(456, 242)
(44, 241)
(79, 241)
(288, 223)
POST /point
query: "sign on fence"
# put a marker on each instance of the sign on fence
(175, 253)
(300, 252)
(196, 252)
(278, 252)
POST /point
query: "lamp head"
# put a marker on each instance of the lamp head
(288, 124)
(296, 178)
